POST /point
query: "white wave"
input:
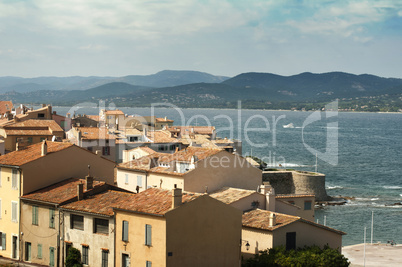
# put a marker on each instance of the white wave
(286, 165)
(374, 199)
(400, 195)
(392, 187)
(333, 187)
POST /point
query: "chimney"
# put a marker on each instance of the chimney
(176, 197)
(17, 146)
(44, 148)
(89, 182)
(80, 191)
(272, 219)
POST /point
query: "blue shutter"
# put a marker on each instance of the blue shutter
(3, 241)
(148, 235)
(125, 231)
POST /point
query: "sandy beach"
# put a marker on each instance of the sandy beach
(376, 255)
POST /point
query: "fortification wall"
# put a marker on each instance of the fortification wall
(297, 182)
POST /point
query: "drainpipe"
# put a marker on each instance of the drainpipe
(58, 236)
(61, 215)
(19, 220)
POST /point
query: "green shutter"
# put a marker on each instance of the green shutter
(51, 256)
(35, 215)
(125, 231)
(148, 235)
(39, 251)
(3, 241)
(52, 218)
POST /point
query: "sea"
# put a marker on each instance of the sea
(360, 154)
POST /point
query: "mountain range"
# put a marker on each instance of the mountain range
(198, 89)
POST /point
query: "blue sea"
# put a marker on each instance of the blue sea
(360, 153)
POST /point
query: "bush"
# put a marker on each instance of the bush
(312, 256)
(74, 258)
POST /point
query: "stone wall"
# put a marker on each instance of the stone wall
(297, 182)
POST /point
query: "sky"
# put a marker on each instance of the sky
(220, 37)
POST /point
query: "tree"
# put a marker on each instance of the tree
(74, 258)
(312, 256)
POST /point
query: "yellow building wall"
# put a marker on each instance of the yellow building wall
(138, 252)
(64, 164)
(257, 239)
(11, 140)
(299, 201)
(203, 232)
(7, 196)
(39, 234)
(308, 235)
(222, 169)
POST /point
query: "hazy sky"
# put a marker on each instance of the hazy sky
(123, 37)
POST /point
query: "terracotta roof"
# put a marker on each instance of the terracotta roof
(292, 195)
(163, 120)
(185, 155)
(260, 219)
(95, 133)
(154, 201)
(60, 192)
(31, 153)
(161, 137)
(144, 163)
(130, 131)
(192, 129)
(93, 117)
(146, 149)
(228, 195)
(33, 127)
(102, 203)
(114, 112)
(5, 106)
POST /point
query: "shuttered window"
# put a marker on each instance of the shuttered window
(148, 235)
(105, 255)
(85, 254)
(52, 218)
(51, 256)
(101, 226)
(149, 264)
(14, 211)
(14, 179)
(77, 222)
(3, 241)
(39, 251)
(125, 231)
(35, 215)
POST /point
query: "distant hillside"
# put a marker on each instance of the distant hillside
(255, 90)
(161, 79)
(309, 86)
(169, 78)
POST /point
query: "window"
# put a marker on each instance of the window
(125, 231)
(14, 211)
(106, 150)
(42, 139)
(77, 222)
(52, 218)
(307, 205)
(30, 140)
(101, 226)
(41, 115)
(90, 148)
(68, 247)
(148, 235)
(139, 180)
(14, 182)
(105, 255)
(51, 256)
(126, 182)
(85, 254)
(35, 215)
(132, 138)
(149, 264)
(39, 251)
(3, 241)
(27, 251)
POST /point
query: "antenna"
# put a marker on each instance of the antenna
(316, 162)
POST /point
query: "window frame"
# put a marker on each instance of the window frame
(308, 205)
(73, 225)
(14, 213)
(52, 218)
(39, 254)
(105, 258)
(14, 179)
(85, 253)
(96, 226)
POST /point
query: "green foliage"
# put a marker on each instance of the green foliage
(74, 258)
(312, 256)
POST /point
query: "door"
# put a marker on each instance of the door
(125, 261)
(51, 256)
(14, 252)
(290, 240)
(27, 251)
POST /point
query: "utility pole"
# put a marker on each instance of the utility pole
(364, 252)
(372, 226)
